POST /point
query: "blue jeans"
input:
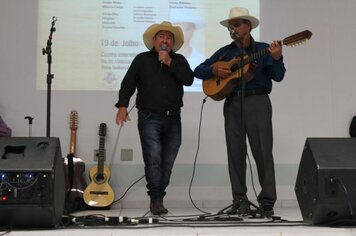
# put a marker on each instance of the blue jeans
(161, 137)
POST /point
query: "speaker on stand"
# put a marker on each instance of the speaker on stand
(325, 185)
(32, 187)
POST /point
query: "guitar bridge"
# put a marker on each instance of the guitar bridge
(99, 193)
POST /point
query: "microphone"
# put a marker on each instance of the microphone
(231, 30)
(234, 36)
(163, 49)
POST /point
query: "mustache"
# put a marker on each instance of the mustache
(234, 35)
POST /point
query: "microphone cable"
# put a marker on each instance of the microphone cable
(113, 156)
(195, 159)
(124, 194)
(117, 138)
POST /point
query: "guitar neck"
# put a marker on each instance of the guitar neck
(257, 55)
(73, 131)
(73, 140)
(247, 59)
(292, 40)
(101, 156)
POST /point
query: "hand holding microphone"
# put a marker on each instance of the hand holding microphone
(163, 55)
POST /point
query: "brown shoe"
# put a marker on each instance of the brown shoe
(163, 209)
(157, 208)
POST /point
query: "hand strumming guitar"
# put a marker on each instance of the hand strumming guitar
(221, 71)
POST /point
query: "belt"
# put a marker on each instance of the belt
(249, 92)
(164, 112)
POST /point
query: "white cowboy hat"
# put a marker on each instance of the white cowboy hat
(240, 13)
(166, 26)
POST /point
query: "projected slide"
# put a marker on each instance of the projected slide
(96, 40)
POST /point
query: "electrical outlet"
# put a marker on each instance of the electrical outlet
(96, 154)
(126, 154)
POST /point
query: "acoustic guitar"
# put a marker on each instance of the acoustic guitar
(99, 193)
(219, 88)
(74, 166)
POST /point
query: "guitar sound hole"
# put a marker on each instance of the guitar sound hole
(100, 178)
(235, 67)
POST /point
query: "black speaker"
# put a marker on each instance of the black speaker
(32, 188)
(325, 185)
(352, 129)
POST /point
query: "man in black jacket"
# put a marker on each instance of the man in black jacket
(158, 75)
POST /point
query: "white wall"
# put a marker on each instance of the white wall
(316, 99)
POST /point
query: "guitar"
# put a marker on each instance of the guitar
(219, 88)
(74, 166)
(99, 193)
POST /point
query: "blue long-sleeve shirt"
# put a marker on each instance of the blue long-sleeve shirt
(267, 68)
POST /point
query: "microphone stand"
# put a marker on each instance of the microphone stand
(258, 210)
(241, 54)
(242, 98)
(29, 118)
(50, 76)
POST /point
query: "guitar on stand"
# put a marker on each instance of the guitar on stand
(74, 168)
(99, 193)
(219, 88)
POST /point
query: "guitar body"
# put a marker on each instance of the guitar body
(99, 193)
(79, 183)
(220, 88)
(74, 168)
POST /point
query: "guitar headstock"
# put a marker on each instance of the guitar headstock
(298, 38)
(102, 130)
(73, 120)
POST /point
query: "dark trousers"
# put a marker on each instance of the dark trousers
(258, 127)
(160, 140)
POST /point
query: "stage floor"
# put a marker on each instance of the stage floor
(172, 224)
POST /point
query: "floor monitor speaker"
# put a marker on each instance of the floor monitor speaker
(325, 185)
(32, 188)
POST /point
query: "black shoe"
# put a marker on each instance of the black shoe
(267, 210)
(157, 208)
(240, 207)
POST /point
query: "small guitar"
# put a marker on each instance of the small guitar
(74, 166)
(99, 193)
(218, 88)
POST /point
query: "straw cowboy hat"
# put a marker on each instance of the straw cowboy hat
(166, 26)
(240, 13)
